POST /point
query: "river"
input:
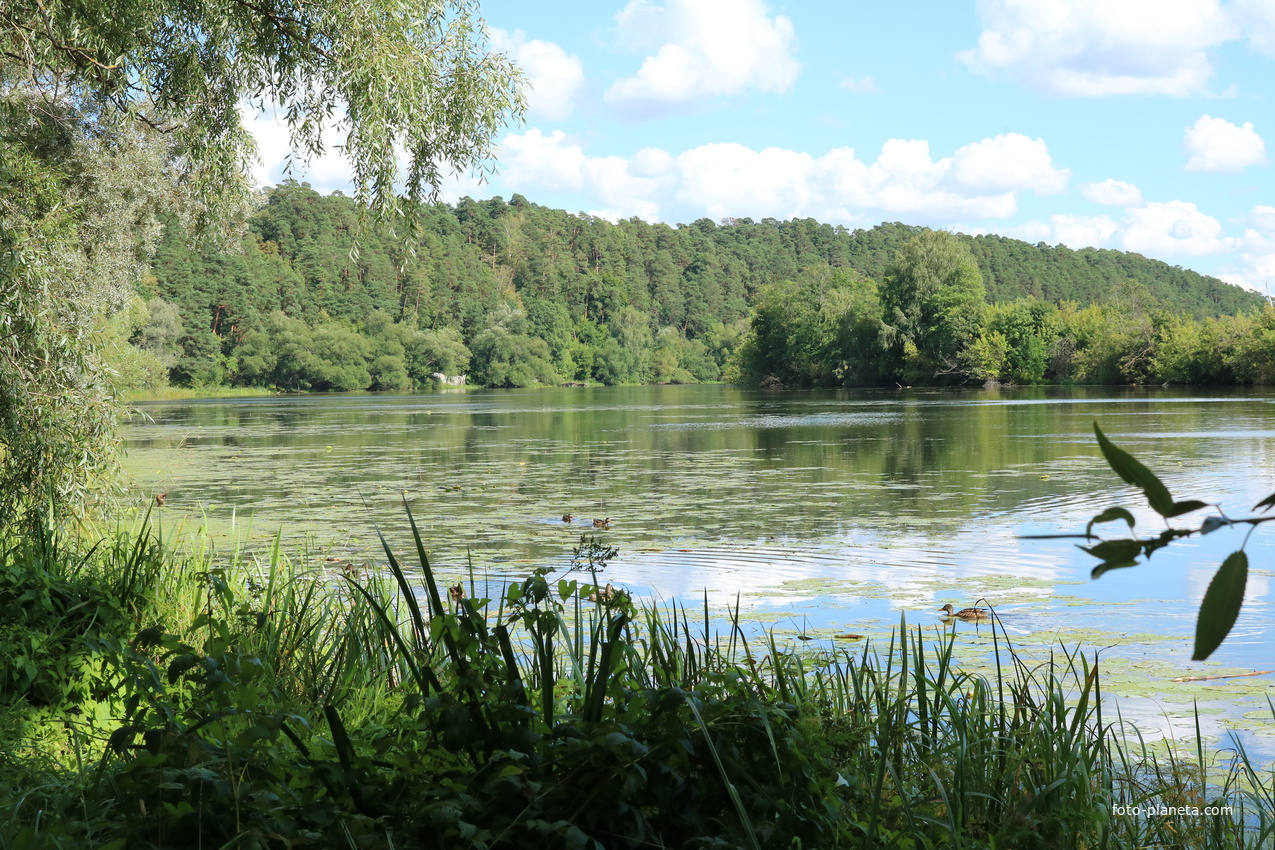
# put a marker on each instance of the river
(820, 512)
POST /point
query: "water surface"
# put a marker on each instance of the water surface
(826, 511)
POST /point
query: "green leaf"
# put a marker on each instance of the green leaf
(180, 665)
(1115, 554)
(1180, 508)
(1213, 523)
(1115, 550)
(1221, 605)
(1110, 515)
(1138, 475)
(1104, 568)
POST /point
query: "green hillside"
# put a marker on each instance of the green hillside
(560, 296)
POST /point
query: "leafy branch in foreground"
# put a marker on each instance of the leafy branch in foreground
(1225, 595)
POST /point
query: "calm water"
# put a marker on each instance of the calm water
(826, 512)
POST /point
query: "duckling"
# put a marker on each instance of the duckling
(161, 499)
(964, 613)
(567, 517)
(602, 523)
(456, 592)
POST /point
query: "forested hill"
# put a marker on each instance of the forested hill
(584, 287)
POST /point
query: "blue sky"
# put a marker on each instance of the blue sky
(1139, 125)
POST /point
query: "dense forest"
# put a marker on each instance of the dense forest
(516, 294)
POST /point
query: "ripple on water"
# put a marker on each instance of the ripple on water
(825, 510)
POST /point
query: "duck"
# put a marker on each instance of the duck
(609, 595)
(567, 517)
(602, 523)
(161, 499)
(965, 613)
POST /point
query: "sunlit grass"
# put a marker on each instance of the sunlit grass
(185, 696)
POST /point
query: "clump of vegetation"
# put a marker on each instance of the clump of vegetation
(252, 705)
(528, 295)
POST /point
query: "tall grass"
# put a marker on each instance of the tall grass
(190, 700)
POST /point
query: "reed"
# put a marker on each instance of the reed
(191, 699)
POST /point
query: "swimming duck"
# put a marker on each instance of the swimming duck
(567, 517)
(602, 523)
(161, 499)
(964, 613)
(606, 594)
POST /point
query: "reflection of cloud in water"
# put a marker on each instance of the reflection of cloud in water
(1255, 590)
(901, 570)
(1155, 722)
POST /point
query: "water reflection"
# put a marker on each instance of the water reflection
(882, 503)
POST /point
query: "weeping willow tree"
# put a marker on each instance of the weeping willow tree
(112, 111)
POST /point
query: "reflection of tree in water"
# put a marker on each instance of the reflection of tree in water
(693, 463)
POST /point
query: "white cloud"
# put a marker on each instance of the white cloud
(1175, 229)
(1255, 268)
(1256, 19)
(325, 173)
(1111, 193)
(1009, 161)
(532, 162)
(859, 85)
(1083, 48)
(1083, 231)
(1217, 145)
(706, 49)
(556, 79)
(1160, 230)
(727, 179)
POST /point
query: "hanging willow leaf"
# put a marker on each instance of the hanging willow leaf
(1221, 605)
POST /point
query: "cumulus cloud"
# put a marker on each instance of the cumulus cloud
(1009, 161)
(327, 173)
(726, 179)
(533, 162)
(1111, 193)
(859, 85)
(555, 78)
(1175, 229)
(706, 49)
(1217, 145)
(1162, 230)
(1255, 266)
(1084, 231)
(1084, 48)
(1256, 19)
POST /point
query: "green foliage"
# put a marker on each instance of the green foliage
(113, 112)
(504, 355)
(822, 329)
(633, 302)
(932, 296)
(414, 78)
(1225, 595)
(65, 207)
(211, 705)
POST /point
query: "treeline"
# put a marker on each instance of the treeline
(928, 322)
(515, 294)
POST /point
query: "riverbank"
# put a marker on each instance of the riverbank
(190, 393)
(160, 695)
